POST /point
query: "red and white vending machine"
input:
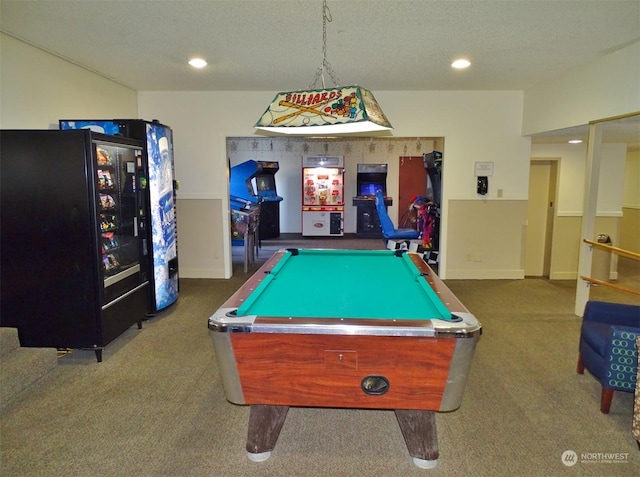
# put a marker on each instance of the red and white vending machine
(322, 196)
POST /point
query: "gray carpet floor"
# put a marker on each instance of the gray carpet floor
(155, 405)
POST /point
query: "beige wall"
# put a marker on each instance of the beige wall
(202, 219)
(630, 224)
(566, 245)
(486, 239)
(630, 229)
(37, 89)
(631, 195)
(565, 248)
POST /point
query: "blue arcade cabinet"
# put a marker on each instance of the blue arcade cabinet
(245, 208)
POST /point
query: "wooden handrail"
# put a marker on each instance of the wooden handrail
(619, 251)
(610, 285)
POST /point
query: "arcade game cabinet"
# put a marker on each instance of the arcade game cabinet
(370, 178)
(323, 196)
(269, 227)
(245, 208)
(429, 215)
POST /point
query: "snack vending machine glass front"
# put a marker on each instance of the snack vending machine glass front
(118, 222)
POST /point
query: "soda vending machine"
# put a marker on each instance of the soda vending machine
(160, 186)
(322, 196)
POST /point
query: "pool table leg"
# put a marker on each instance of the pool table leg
(420, 434)
(265, 424)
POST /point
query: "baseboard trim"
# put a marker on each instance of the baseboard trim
(485, 274)
(202, 273)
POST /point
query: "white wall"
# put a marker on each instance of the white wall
(476, 126)
(572, 159)
(571, 176)
(37, 89)
(602, 89)
(201, 122)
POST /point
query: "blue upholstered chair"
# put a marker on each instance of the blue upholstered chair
(389, 232)
(635, 428)
(608, 347)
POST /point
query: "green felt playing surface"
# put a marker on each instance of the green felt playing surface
(374, 284)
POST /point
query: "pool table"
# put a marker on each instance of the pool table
(369, 329)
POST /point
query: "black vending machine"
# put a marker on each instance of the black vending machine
(74, 267)
(160, 187)
(269, 227)
(369, 179)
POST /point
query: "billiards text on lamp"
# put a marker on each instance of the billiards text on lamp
(325, 111)
(339, 110)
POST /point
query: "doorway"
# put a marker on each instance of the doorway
(412, 182)
(543, 176)
(420, 197)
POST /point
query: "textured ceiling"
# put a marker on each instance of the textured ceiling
(262, 45)
(276, 45)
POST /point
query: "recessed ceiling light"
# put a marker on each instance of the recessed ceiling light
(575, 141)
(461, 64)
(197, 62)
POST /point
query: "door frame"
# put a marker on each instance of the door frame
(551, 213)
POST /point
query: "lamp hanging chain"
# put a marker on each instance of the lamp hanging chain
(326, 17)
